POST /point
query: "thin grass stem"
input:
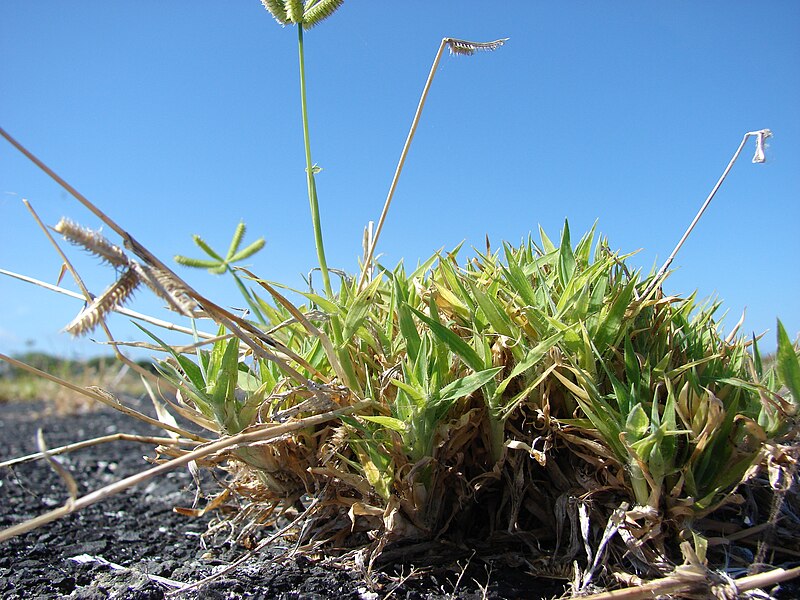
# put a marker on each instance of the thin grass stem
(456, 47)
(119, 309)
(261, 434)
(114, 437)
(312, 187)
(374, 239)
(759, 157)
(99, 396)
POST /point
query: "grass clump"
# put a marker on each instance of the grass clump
(543, 401)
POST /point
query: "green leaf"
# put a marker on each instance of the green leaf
(637, 422)
(494, 312)
(547, 245)
(418, 396)
(610, 328)
(357, 311)
(517, 278)
(457, 293)
(328, 306)
(464, 386)
(757, 358)
(457, 346)
(224, 389)
(584, 247)
(566, 259)
(632, 370)
(423, 268)
(532, 357)
(377, 465)
(192, 370)
(408, 330)
(215, 358)
(388, 422)
(788, 364)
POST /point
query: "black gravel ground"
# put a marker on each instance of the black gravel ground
(138, 531)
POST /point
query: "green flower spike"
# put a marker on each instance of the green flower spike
(296, 12)
(218, 265)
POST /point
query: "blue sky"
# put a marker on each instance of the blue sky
(183, 117)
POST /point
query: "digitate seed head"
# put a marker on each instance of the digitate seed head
(296, 12)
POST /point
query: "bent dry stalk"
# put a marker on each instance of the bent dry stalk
(759, 157)
(462, 47)
(261, 435)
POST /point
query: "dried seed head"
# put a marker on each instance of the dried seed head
(469, 48)
(92, 241)
(168, 288)
(112, 298)
(761, 139)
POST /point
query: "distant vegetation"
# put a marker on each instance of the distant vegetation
(17, 384)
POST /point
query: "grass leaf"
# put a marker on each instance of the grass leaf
(788, 365)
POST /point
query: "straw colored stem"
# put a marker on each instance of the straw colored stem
(658, 279)
(114, 437)
(102, 398)
(675, 584)
(261, 434)
(121, 310)
(78, 280)
(374, 239)
(75, 193)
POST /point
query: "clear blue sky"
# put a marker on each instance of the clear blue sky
(183, 117)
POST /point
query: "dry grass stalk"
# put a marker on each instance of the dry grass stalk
(100, 396)
(160, 323)
(114, 437)
(463, 47)
(694, 581)
(66, 477)
(260, 434)
(761, 136)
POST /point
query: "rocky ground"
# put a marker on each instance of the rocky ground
(138, 532)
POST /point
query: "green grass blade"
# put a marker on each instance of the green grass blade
(457, 345)
(566, 258)
(493, 311)
(388, 422)
(464, 386)
(788, 365)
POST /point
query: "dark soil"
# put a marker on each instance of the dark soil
(139, 531)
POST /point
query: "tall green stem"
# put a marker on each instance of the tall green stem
(312, 187)
(315, 220)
